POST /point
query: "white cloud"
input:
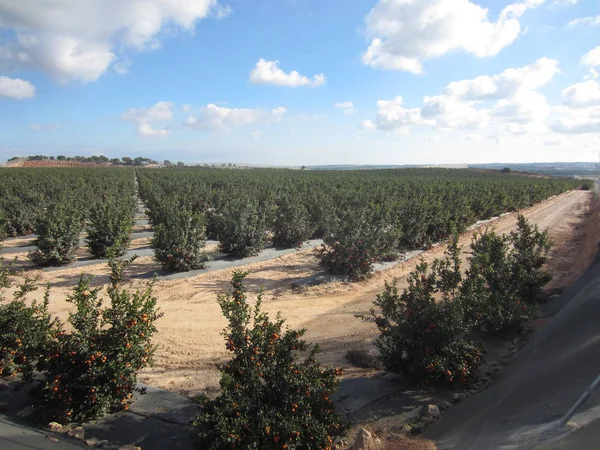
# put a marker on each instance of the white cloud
(268, 72)
(452, 113)
(256, 134)
(145, 129)
(564, 2)
(509, 83)
(393, 116)
(224, 119)
(517, 108)
(591, 58)
(16, 88)
(348, 107)
(79, 40)
(222, 11)
(161, 112)
(591, 21)
(593, 75)
(577, 124)
(406, 33)
(43, 126)
(580, 113)
(122, 66)
(526, 108)
(582, 95)
(186, 108)
(367, 125)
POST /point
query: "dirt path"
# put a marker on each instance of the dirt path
(189, 336)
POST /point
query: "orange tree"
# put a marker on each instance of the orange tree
(92, 370)
(109, 230)
(25, 327)
(424, 333)
(179, 240)
(270, 397)
(358, 237)
(58, 234)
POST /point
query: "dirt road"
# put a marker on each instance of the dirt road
(189, 337)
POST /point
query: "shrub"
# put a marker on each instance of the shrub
(357, 239)
(57, 236)
(244, 230)
(291, 227)
(489, 296)
(270, 398)
(92, 370)
(179, 241)
(423, 330)
(529, 257)
(21, 215)
(506, 278)
(320, 209)
(109, 232)
(26, 328)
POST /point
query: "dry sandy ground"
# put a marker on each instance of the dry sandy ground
(190, 340)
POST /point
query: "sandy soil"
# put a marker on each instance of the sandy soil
(190, 340)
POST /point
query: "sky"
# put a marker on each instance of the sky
(302, 82)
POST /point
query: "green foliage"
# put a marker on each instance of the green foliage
(530, 255)
(506, 278)
(358, 238)
(426, 205)
(92, 370)
(179, 240)
(243, 227)
(27, 328)
(424, 333)
(3, 232)
(57, 235)
(427, 330)
(109, 230)
(25, 193)
(292, 225)
(270, 397)
(490, 298)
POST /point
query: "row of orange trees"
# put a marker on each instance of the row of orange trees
(434, 329)
(363, 216)
(60, 204)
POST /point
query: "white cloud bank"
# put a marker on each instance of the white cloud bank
(405, 33)
(590, 21)
(16, 88)
(269, 72)
(160, 112)
(507, 101)
(217, 118)
(78, 40)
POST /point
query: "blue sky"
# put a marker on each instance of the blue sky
(292, 82)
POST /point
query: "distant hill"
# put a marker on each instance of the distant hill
(384, 166)
(557, 169)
